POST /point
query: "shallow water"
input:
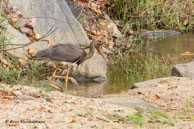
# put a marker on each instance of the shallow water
(173, 45)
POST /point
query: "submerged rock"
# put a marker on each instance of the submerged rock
(183, 70)
(158, 34)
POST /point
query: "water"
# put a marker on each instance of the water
(173, 45)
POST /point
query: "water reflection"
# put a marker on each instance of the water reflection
(90, 89)
(173, 45)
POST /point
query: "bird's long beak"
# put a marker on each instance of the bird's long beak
(99, 49)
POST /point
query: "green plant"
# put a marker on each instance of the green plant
(139, 119)
(153, 14)
(188, 105)
(90, 112)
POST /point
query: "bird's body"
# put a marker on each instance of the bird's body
(61, 53)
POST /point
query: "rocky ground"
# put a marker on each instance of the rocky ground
(29, 107)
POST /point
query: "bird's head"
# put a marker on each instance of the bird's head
(98, 46)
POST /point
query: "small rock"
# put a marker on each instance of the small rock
(149, 82)
(183, 70)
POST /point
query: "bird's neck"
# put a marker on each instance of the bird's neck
(89, 54)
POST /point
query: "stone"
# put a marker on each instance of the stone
(131, 102)
(149, 82)
(49, 13)
(158, 34)
(108, 25)
(92, 68)
(183, 70)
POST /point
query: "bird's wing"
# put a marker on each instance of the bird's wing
(61, 52)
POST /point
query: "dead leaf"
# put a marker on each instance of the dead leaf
(26, 30)
(186, 54)
(2, 94)
(51, 42)
(42, 109)
(34, 95)
(189, 117)
(30, 22)
(73, 121)
(4, 61)
(75, 102)
(36, 35)
(8, 102)
(157, 96)
(8, 97)
(31, 52)
(14, 124)
(186, 21)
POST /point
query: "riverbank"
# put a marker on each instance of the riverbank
(173, 100)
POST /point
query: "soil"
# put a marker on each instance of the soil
(29, 107)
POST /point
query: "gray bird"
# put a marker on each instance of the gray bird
(67, 53)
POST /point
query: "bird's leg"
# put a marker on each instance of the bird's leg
(51, 81)
(67, 74)
(66, 77)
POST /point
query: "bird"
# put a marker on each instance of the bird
(67, 54)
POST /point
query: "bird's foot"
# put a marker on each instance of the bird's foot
(73, 81)
(57, 87)
(67, 78)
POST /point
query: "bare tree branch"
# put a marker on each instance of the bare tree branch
(27, 44)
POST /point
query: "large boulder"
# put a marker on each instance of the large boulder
(183, 70)
(53, 12)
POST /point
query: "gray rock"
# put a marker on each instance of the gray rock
(91, 68)
(149, 82)
(158, 34)
(131, 102)
(100, 79)
(53, 12)
(183, 70)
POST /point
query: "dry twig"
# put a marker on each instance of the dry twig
(31, 42)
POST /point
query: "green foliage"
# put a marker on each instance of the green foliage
(138, 67)
(90, 112)
(116, 117)
(139, 119)
(10, 76)
(188, 103)
(154, 14)
(162, 114)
